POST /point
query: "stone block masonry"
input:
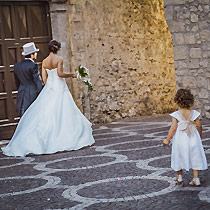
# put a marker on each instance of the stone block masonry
(127, 47)
(188, 21)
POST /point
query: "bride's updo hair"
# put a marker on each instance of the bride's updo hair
(184, 98)
(54, 46)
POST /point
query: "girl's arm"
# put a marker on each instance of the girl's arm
(61, 73)
(199, 126)
(171, 131)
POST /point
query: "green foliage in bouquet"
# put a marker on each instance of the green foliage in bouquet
(83, 74)
(90, 87)
(83, 71)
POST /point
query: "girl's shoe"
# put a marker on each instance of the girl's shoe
(178, 179)
(195, 182)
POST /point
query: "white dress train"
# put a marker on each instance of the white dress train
(52, 123)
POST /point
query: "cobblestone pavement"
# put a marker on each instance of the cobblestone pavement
(127, 168)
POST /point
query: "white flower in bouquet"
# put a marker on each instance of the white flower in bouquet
(83, 74)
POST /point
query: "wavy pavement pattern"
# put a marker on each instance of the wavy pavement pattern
(127, 164)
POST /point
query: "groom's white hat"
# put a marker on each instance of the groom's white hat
(29, 48)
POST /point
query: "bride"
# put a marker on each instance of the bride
(53, 122)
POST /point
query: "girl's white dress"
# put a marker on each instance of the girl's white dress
(187, 148)
(52, 123)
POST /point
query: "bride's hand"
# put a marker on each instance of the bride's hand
(74, 75)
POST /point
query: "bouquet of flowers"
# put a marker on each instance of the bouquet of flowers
(83, 74)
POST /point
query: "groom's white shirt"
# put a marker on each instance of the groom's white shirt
(29, 59)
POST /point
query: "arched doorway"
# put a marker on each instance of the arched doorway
(20, 22)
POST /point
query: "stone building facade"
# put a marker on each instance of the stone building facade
(127, 47)
(189, 23)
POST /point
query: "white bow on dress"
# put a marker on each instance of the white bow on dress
(188, 126)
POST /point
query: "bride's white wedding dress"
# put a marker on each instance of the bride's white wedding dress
(52, 123)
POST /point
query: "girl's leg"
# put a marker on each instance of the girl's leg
(179, 172)
(195, 174)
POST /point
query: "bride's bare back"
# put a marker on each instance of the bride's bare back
(53, 61)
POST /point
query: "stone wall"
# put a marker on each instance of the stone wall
(128, 49)
(188, 21)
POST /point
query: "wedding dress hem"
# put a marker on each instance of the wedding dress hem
(53, 123)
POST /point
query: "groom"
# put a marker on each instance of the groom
(27, 78)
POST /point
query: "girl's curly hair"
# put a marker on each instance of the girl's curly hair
(184, 98)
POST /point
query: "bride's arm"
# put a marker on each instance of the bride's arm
(60, 70)
(44, 74)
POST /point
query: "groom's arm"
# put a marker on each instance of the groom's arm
(17, 81)
(37, 78)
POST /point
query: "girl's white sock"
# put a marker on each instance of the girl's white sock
(180, 178)
(197, 181)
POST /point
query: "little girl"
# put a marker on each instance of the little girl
(186, 131)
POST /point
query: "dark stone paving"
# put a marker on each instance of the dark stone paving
(127, 168)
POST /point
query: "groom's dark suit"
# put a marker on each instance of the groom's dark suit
(29, 84)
